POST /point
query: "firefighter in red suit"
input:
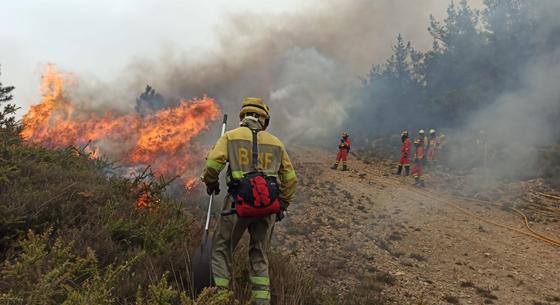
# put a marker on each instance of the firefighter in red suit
(343, 150)
(418, 169)
(405, 155)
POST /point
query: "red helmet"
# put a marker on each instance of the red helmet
(404, 133)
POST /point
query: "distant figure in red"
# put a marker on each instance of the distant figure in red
(343, 150)
(418, 169)
(405, 155)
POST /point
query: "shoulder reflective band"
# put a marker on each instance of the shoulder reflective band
(215, 165)
(289, 176)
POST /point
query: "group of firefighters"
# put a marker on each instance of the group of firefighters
(425, 153)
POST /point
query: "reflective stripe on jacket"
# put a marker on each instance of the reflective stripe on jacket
(235, 147)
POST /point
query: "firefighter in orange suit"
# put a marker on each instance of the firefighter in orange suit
(343, 150)
(405, 155)
(418, 169)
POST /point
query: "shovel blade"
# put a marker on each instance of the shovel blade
(202, 266)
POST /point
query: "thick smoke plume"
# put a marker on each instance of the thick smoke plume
(522, 122)
(307, 64)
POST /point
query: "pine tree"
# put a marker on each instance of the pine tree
(8, 124)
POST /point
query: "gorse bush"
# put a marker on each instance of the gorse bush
(50, 272)
(67, 195)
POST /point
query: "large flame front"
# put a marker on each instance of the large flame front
(162, 139)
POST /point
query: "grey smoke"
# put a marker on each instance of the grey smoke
(522, 121)
(518, 123)
(307, 65)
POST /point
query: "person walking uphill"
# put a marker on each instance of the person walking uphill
(343, 150)
(405, 155)
(255, 200)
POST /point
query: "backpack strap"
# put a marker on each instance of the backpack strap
(255, 150)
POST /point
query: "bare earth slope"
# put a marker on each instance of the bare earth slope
(366, 228)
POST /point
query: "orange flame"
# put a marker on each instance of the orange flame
(190, 183)
(146, 200)
(163, 140)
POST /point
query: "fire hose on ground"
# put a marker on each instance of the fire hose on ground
(532, 233)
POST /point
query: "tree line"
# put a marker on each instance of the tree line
(476, 56)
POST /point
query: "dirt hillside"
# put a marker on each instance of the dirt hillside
(366, 228)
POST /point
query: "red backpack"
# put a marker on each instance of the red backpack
(256, 194)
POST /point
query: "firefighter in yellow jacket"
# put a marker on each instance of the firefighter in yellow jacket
(236, 148)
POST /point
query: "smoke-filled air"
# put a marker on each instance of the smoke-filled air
(280, 152)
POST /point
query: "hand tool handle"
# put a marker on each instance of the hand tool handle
(224, 123)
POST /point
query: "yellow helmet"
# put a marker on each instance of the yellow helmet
(254, 105)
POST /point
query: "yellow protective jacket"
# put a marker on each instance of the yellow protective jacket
(235, 147)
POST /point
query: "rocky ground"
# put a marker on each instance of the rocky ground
(366, 228)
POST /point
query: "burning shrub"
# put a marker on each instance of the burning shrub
(161, 137)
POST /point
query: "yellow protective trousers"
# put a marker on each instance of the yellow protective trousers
(229, 232)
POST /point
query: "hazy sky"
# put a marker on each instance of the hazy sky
(98, 39)
(101, 37)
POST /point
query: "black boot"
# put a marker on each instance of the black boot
(335, 166)
(421, 184)
(399, 171)
(344, 167)
(407, 170)
(416, 181)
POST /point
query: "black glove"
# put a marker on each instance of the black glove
(279, 216)
(283, 207)
(213, 188)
